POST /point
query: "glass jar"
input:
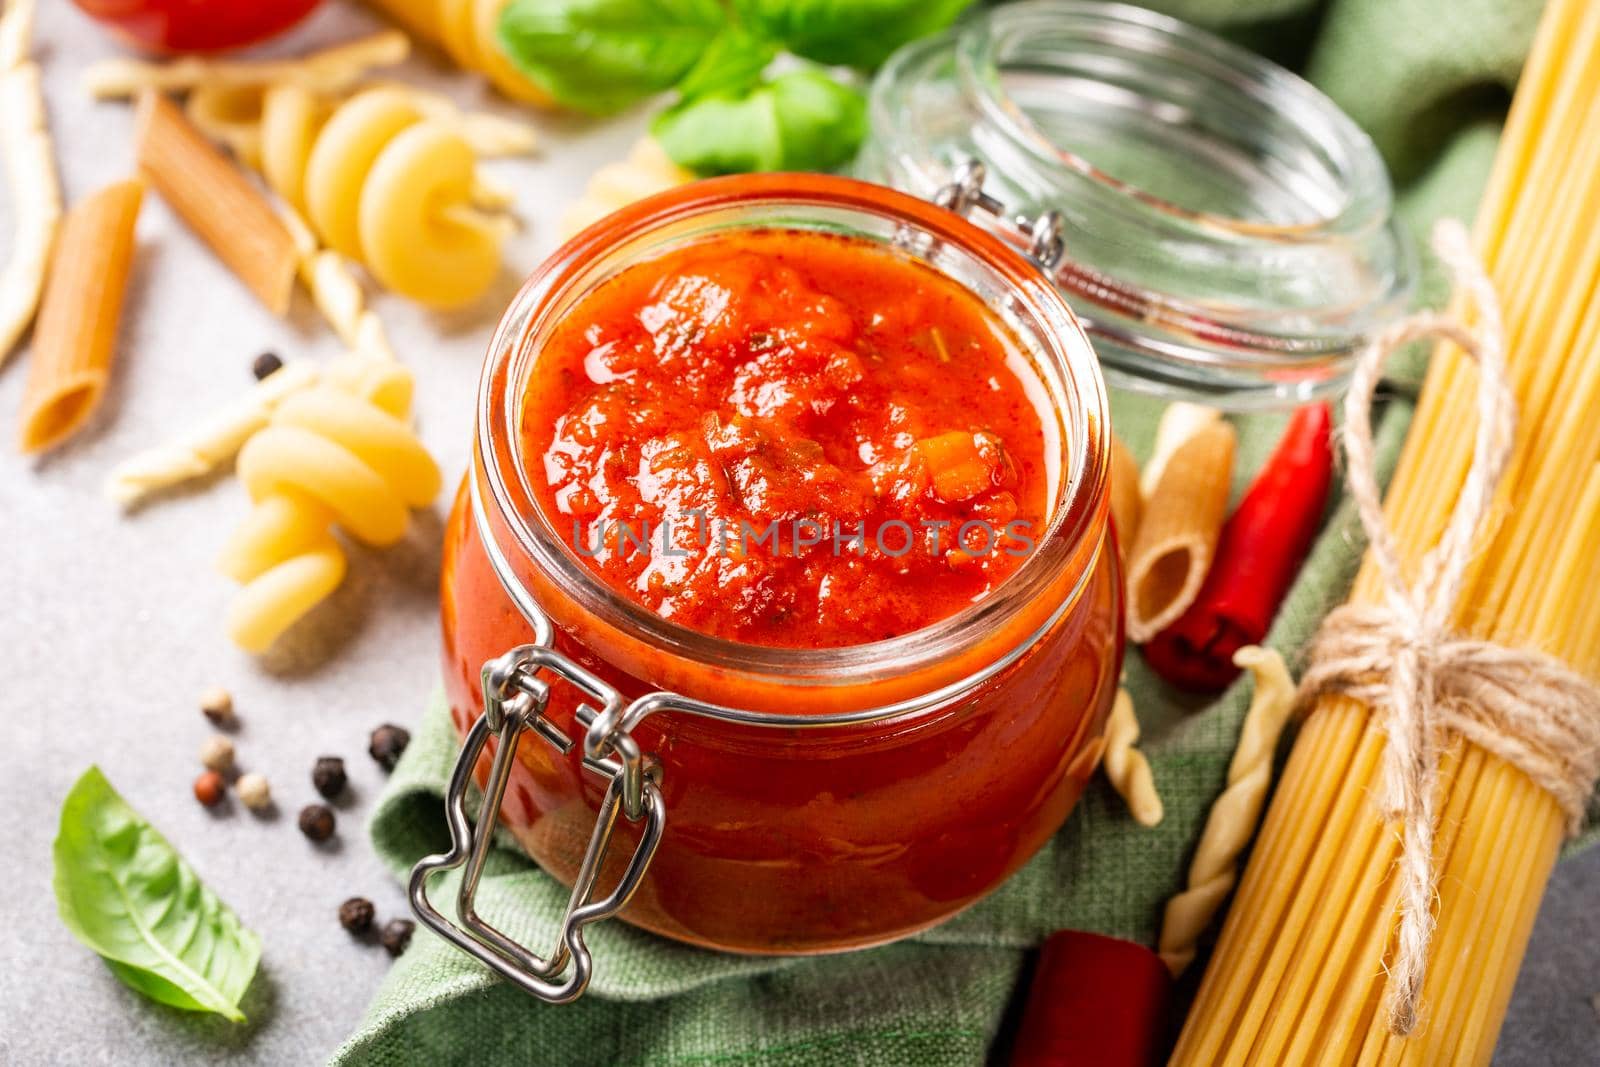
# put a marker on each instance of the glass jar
(748, 798)
(1229, 233)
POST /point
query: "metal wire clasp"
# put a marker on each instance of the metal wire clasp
(1040, 237)
(514, 699)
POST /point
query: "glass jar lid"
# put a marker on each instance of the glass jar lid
(1228, 233)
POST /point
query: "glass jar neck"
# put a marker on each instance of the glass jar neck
(953, 652)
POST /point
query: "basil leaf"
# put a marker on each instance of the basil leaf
(126, 893)
(803, 120)
(850, 33)
(732, 64)
(602, 55)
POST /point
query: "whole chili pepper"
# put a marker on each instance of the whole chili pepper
(1094, 1000)
(1259, 552)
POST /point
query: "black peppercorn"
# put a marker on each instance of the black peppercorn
(316, 821)
(388, 741)
(396, 935)
(267, 363)
(355, 915)
(328, 776)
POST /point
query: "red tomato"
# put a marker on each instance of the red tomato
(196, 25)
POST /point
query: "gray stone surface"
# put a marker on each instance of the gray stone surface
(113, 626)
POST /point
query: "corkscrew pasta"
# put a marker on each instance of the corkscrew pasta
(1234, 815)
(327, 457)
(385, 186)
(647, 170)
(1126, 767)
(465, 30)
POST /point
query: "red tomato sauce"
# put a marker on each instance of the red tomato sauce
(789, 438)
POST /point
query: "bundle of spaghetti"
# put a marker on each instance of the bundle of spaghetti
(1300, 972)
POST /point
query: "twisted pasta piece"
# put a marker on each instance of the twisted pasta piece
(326, 457)
(1126, 767)
(1233, 817)
(465, 30)
(385, 186)
(645, 171)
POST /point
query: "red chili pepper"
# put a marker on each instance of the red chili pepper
(1094, 1000)
(1260, 550)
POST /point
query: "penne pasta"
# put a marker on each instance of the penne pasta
(330, 70)
(77, 332)
(1127, 504)
(1179, 422)
(1178, 533)
(31, 175)
(217, 201)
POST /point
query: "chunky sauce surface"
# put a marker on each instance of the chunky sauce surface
(789, 438)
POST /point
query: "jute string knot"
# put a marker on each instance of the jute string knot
(1403, 658)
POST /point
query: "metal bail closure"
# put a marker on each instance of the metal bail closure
(1040, 238)
(514, 700)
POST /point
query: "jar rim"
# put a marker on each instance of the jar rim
(1364, 201)
(1078, 519)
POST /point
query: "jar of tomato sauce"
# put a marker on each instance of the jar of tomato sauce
(847, 722)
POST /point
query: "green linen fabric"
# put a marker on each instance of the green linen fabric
(1429, 79)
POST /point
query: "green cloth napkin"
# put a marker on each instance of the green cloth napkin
(1429, 79)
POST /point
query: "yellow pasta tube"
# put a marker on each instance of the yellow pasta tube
(77, 332)
(1127, 505)
(1180, 421)
(1178, 533)
(1233, 817)
(217, 201)
(1126, 767)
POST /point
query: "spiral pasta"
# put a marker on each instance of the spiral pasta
(465, 30)
(645, 171)
(385, 186)
(327, 457)
(1233, 818)
(1126, 767)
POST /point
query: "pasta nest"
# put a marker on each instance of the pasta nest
(334, 454)
(385, 185)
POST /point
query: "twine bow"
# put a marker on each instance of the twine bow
(1402, 657)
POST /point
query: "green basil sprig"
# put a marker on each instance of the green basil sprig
(126, 893)
(600, 56)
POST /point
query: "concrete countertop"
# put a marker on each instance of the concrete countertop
(113, 627)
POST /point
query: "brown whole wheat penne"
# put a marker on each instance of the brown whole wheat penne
(217, 201)
(76, 334)
(1178, 534)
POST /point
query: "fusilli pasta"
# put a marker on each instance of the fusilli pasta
(647, 170)
(1233, 818)
(465, 30)
(327, 457)
(386, 187)
(1126, 767)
